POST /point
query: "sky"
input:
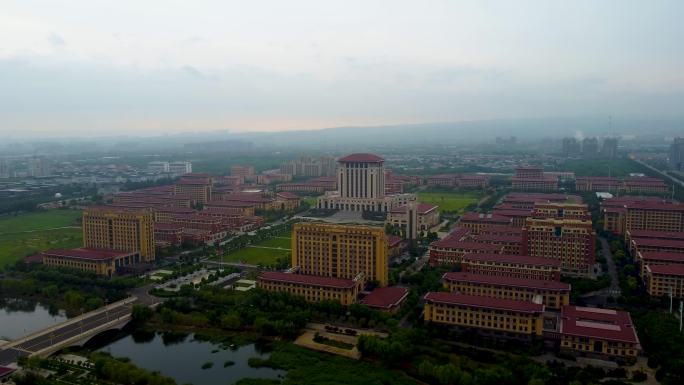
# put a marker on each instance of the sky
(98, 68)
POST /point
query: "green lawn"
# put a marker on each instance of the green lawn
(27, 234)
(284, 243)
(449, 201)
(265, 252)
(255, 256)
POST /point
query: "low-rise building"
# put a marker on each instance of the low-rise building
(428, 216)
(552, 294)
(652, 258)
(475, 222)
(499, 317)
(604, 333)
(313, 288)
(516, 266)
(99, 261)
(387, 299)
(663, 280)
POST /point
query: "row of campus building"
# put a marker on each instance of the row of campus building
(532, 178)
(505, 296)
(653, 231)
(198, 209)
(555, 228)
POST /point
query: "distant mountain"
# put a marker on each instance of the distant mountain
(470, 131)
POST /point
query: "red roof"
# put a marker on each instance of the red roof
(651, 205)
(393, 240)
(487, 279)
(512, 212)
(655, 242)
(423, 208)
(656, 234)
(508, 258)
(5, 371)
(386, 297)
(605, 324)
(87, 253)
(675, 269)
(361, 158)
(287, 195)
(484, 302)
(481, 217)
(662, 256)
(498, 238)
(305, 279)
(467, 244)
(195, 181)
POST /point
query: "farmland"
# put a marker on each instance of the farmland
(27, 234)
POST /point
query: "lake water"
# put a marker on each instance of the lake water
(19, 317)
(181, 356)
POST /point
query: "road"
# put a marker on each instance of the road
(614, 287)
(670, 177)
(62, 334)
(600, 296)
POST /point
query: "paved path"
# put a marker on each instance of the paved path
(41, 230)
(612, 270)
(268, 247)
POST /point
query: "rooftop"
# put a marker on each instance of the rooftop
(656, 242)
(304, 279)
(506, 281)
(509, 258)
(656, 234)
(361, 158)
(662, 256)
(605, 324)
(87, 253)
(484, 302)
(423, 208)
(675, 269)
(386, 297)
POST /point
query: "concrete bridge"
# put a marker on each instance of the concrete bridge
(72, 332)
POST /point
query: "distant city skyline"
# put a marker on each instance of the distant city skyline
(157, 67)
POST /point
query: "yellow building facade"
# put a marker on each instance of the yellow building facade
(100, 262)
(515, 318)
(599, 332)
(313, 288)
(553, 294)
(120, 229)
(340, 251)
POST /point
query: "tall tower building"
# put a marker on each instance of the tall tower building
(4, 169)
(361, 176)
(571, 147)
(340, 251)
(120, 229)
(677, 154)
(609, 149)
(590, 148)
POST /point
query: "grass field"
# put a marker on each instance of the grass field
(29, 233)
(450, 201)
(265, 252)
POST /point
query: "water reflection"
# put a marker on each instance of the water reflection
(19, 317)
(182, 356)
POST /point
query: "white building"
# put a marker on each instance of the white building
(158, 166)
(180, 168)
(361, 184)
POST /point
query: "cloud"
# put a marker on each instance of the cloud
(56, 40)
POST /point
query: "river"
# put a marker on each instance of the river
(182, 357)
(19, 317)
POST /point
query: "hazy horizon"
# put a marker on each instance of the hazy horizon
(144, 69)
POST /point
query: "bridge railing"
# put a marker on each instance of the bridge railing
(70, 321)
